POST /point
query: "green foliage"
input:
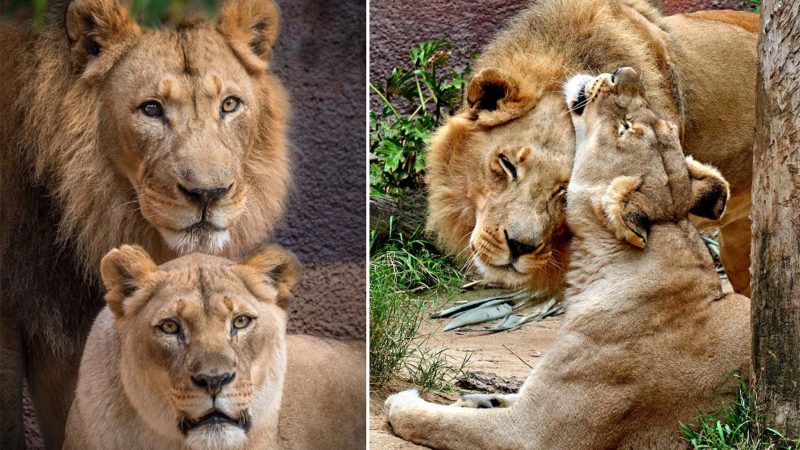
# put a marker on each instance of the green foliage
(434, 369)
(400, 269)
(147, 12)
(755, 5)
(415, 102)
(731, 427)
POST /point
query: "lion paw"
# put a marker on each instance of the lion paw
(401, 400)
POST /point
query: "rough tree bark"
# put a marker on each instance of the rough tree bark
(775, 217)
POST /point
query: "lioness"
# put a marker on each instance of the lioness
(649, 338)
(172, 138)
(193, 354)
(498, 169)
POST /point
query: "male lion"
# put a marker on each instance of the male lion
(497, 170)
(171, 138)
(193, 354)
(649, 336)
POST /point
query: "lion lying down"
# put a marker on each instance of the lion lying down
(649, 338)
(193, 354)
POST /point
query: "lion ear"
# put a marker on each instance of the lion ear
(251, 27)
(281, 268)
(120, 270)
(99, 32)
(495, 96)
(710, 191)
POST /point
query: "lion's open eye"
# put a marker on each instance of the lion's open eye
(229, 105)
(169, 326)
(242, 321)
(152, 109)
(508, 166)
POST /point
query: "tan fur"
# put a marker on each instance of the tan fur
(137, 382)
(84, 170)
(649, 339)
(697, 69)
(116, 173)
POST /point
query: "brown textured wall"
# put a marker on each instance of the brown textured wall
(396, 25)
(321, 57)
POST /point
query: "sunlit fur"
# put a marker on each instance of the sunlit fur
(134, 370)
(115, 172)
(649, 338)
(292, 392)
(513, 102)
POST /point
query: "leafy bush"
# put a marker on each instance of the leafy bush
(415, 102)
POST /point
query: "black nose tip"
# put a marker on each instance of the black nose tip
(212, 383)
(204, 196)
(518, 248)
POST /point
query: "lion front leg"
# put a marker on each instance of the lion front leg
(450, 427)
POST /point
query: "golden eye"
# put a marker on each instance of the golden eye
(242, 321)
(169, 326)
(230, 105)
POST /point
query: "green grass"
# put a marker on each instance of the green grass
(402, 269)
(731, 427)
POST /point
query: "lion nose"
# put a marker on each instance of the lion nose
(204, 196)
(625, 75)
(518, 248)
(213, 383)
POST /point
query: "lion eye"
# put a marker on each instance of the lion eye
(241, 321)
(169, 326)
(509, 167)
(560, 192)
(229, 105)
(152, 108)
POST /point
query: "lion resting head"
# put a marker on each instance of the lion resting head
(202, 347)
(187, 123)
(514, 187)
(498, 169)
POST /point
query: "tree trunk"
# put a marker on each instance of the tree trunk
(775, 214)
(404, 215)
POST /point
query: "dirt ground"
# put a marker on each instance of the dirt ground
(507, 355)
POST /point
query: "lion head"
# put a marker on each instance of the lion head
(517, 178)
(173, 138)
(629, 165)
(202, 340)
(498, 169)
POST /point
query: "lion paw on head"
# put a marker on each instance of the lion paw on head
(193, 354)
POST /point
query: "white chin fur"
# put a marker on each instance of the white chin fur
(184, 243)
(573, 87)
(216, 437)
(507, 278)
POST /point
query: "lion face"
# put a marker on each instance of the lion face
(518, 198)
(185, 129)
(629, 166)
(190, 118)
(202, 340)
